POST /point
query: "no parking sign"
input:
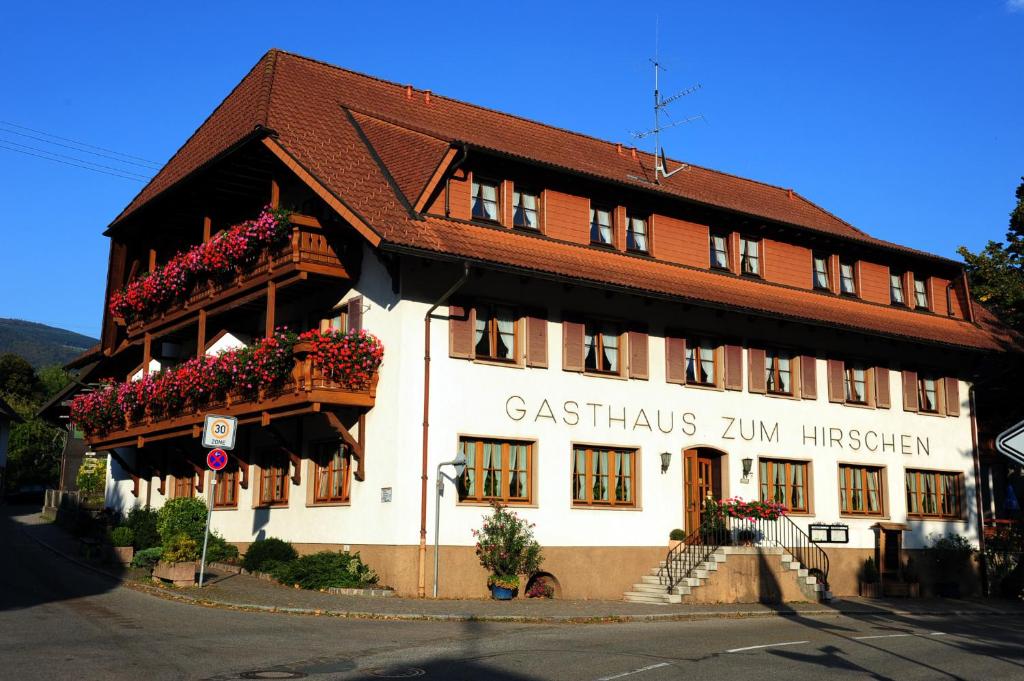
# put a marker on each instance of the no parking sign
(216, 459)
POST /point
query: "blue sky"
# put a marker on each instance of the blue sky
(903, 118)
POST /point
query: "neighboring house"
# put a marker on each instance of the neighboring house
(7, 417)
(607, 348)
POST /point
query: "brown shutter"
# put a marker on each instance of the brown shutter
(756, 380)
(572, 346)
(808, 377)
(537, 340)
(460, 332)
(836, 381)
(910, 391)
(952, 385)
(882, 400)
(637, 354)
(355, 314)
(733, 367)
(675, 360)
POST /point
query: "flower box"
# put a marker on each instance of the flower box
(870, 589)
(179, 574)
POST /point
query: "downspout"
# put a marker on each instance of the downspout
(977, 491)
(421, 588)
(451, 171)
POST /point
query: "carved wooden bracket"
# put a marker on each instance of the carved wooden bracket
(243, 468)
(355, 446)
(282, 443)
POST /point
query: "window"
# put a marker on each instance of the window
(750, 260)
(636, 234)
(603, 477)
(860, 490)
(331, 475)
(719, 252)
(821, 273)
(601, 349)
(847, 283)
(485, 200)
(339, 322)
(896, 296)
(921, 294)
(184, 486)
(274, 479)
(785, 482)
(934, 494)
(927, 394)
(600, 226)
(525, 211)
(778, 372)
(856, 384)
(496, 470)
(495, 333)
(225, 492)
(701, 362)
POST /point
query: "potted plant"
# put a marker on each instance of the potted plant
(178, 561)
(507, 549)
(675, 538)
(870, 587)
(121, 539)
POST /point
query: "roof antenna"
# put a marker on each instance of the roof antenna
(660, 106)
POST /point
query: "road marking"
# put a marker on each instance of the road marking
(766, 645)
(635, 671)
(865, 638)
(937, 633)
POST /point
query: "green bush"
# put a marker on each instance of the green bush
(677, 535)
(122, 536)
(147, 558)
(950, 556)
(142, 522)
(506, 547)
(326, 569)
(180, 549)
(92, 477)
(869, 573)
(218, 550)
(185, 515)
(265, 550)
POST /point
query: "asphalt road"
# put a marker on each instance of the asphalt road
(59, 621)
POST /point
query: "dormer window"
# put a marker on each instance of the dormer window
(896, 296)
(485, 200)
(525, 209)
(821, 273)
(600, 226)
(719, 252)
(750, 259)
(636, 234)
(921, 294)
(847, 283)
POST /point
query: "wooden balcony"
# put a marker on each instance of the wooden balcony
(308, 254)
(306, 391)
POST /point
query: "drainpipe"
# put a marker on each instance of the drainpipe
(977, 491)
(451, 171)
(421, 588)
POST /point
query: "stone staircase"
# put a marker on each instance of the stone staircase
(734, 574)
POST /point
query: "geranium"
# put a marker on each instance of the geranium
(736, 507)
(349, 359)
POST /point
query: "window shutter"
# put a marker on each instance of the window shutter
(733, 367)
(910, 391)
(355, 314)
(572, 346)
(808, 377)
(882, 400)
(460, 332)
(675, 360)
(637, 354)
(952, 386)
(836, 381)
(537, 340)
(757, 382)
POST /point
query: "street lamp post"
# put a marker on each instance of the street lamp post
(459, 464)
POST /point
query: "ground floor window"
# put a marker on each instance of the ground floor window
(183, 486)
(603, 477)
(496, 470)
(934, 494)
(225, 492)
(274, 479)
(860, 490)
(785, 482)
(332, 474)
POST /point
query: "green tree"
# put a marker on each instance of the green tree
(17, 378)
(33, 454)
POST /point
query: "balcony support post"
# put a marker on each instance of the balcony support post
(354, 446)
(201, 338)
(207, 228)
(275, 194)
(147, 353)
(271, 307)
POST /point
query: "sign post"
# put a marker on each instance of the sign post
(1010, 443)
(219, 435)
(216, 459)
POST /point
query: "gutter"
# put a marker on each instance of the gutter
(421, 585)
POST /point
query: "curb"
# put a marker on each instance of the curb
(517, 619)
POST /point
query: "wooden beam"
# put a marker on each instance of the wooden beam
(147, 353)
(152, 259)
(275, 194)
(356, 446)
(271, 307)
(133, 471)
(282, 443)
(243, 468)
(201, 335)
(200, 473)
(439, 173)
(207, 228)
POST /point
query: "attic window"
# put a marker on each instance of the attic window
(485, 200)
(600, 226)
(524, 209)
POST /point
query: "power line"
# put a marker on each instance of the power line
(149, 165)
(84, 144)
(68, 163)
(123, 171)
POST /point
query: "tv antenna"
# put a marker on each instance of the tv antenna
(661, 107)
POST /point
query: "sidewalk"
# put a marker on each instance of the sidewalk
(248, 593)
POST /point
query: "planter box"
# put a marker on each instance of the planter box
(871, 590)
(122, 555)
(179, 574)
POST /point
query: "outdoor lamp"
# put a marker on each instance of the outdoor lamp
(666, 459)
(748, 465)
(459, 464)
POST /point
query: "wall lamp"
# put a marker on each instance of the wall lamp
(748, 466)
(666, 459)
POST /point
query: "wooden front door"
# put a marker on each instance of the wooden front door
(701, 479)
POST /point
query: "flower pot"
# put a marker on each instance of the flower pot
(673, 543)
(871, 589)
(501, 593)
(180, 574)
(122, 555)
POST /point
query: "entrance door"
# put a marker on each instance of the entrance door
(702, 479)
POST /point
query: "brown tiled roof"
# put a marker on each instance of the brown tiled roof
(374, 147)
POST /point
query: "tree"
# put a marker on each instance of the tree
(17, 378)
(34, 449)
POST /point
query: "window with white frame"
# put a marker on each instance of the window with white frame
(701, 362)
(847, 281)
(778, 372)
(485, 200)
(600, 226)
(636, 234)
(896, 296)
(821, 273)
(750, 259)
(719, 252)
(921, 293)
(525, 209)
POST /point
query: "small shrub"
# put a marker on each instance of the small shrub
(147, 558)
(185, 515)
(265, 550)
(326, 569)
(180, 549)
(92, 477)
(677, 534)
(143, 522)
(950, 556)
(218, 550)
(540, 589)
(506, 547)
(869, 573)
(122, 536)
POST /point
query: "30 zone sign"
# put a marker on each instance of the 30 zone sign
(219, 431)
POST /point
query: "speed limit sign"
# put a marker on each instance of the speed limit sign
(219, 431)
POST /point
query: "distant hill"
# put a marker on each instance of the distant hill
(41, 345)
